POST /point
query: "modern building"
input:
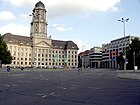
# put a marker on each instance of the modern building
(91, 58)
(84, 58)
(40, 50)
(95, 57)
(112, 50)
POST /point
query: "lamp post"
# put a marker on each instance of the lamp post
(83, 55)
(124, 21)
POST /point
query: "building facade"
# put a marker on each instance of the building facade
(91, 58)
(95, 57)
(112, 50)
(84, 58)
(40, 50)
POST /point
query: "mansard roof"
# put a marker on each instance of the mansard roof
(17, 39)
(24, 40)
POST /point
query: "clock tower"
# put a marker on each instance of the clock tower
(39, 24)
(38, 32)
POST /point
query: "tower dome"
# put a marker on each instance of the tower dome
(39, 4)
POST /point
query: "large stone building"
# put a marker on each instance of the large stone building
(39, 49)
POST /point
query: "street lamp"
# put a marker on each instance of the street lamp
(124, 21)
(83, 55)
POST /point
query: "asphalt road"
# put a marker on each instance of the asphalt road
(67, 87)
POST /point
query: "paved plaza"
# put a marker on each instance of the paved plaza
(67, 87)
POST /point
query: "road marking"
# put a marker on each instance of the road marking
(62, 88)
(6, 85)
(93, 88)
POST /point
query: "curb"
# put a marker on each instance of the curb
(129, 75)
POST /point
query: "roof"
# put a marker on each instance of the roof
(24, 40)
(17, 39)
(64, 44)
(84, 53)
(39, 4)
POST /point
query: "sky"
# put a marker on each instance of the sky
(88, 23)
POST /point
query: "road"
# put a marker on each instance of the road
(68, 87)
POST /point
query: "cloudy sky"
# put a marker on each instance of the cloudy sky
(88, 23)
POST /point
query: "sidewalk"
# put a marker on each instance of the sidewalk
(128, 74)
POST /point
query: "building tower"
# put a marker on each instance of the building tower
(38, 32)
(39, 24)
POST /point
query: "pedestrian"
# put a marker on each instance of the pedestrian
(8, 69)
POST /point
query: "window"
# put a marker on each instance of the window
(14, 62)
(72, 56)
(29, 63)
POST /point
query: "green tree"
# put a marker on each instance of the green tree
(5, 55)
(134, 52)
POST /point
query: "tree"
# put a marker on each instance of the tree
(134, 52)
(5, 55)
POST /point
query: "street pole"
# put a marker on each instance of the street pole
(134, 59)
(83, 55)
(123, 21)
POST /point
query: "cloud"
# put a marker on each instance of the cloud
(25, 16)
(58, 8)
(79, 7)
(21, 3)
(6, 15)
(81, 45)
(15, 29)
(61, 27)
